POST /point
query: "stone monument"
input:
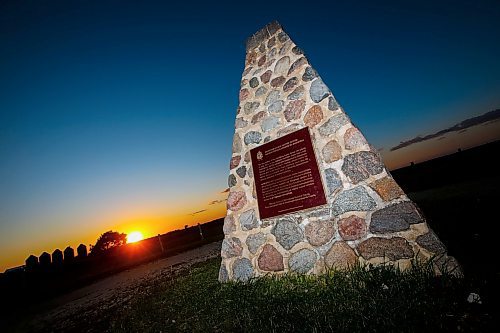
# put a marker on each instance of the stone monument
(306, 190)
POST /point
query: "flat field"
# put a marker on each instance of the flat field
(460, 201)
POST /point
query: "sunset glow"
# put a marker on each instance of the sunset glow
(134, 236)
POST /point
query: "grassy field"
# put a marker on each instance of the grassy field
(463, 214)
(381, 299)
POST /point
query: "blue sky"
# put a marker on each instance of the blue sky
(111, 109)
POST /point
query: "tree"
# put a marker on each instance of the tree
(108, 240)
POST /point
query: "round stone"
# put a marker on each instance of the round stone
(395, 217)
(297, 64)
(387, 188)
(255, 241)
(229, 225)
(258, 117)
(235, 161)
(285, 48)
(276, 107)
(271, 42)
(244, 93)
(242, 270)
(333, 125)
(262, 61)
(333, 182)
(353, 139)
(241, 171)
(247, 157)
(236, 200)
(266, 76)
(261, 91)
(270, 259)
(302, 261)
(294, 109)
(282, 66)
(313, 116)
(231, 180)
(248, 221)
(309, 74)
(359, 166)
(251, 58)
(252, 137)
(250, 107)
(231, 247)
(352, 228)
(290, 84)
(297, 93)
(240, 123)
(254, 82)
(332, 104)
(272, 97)
(269, 123)
(431, 243)
(318, 90)
(356, 199)
(341, 256)
(319, 232)
(393, 248)
(297, 50)
(278, 81)
(287, 233)
(332, 151)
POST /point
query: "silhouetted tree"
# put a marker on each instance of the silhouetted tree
(31, 263)
(108, 240)
(57, 257)
(44, 260)
(69, 254)
(82, 251)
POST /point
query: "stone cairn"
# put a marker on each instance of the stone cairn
(368, 219)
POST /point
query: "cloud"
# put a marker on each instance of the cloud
(197, 212)
(214, 202)
(462, 126)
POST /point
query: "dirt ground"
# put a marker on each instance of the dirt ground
(87, 304)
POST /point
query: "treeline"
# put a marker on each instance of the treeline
(48, 275)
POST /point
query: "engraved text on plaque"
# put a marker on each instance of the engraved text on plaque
(287, 177)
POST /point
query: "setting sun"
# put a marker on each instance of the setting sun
(134, 236)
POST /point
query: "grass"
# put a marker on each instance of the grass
(374, 299)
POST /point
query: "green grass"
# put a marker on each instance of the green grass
(376, 299)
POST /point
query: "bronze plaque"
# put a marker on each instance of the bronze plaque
(286, 173)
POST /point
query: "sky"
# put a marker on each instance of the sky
(119, 115)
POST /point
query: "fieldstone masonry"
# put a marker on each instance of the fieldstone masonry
(367, 219)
